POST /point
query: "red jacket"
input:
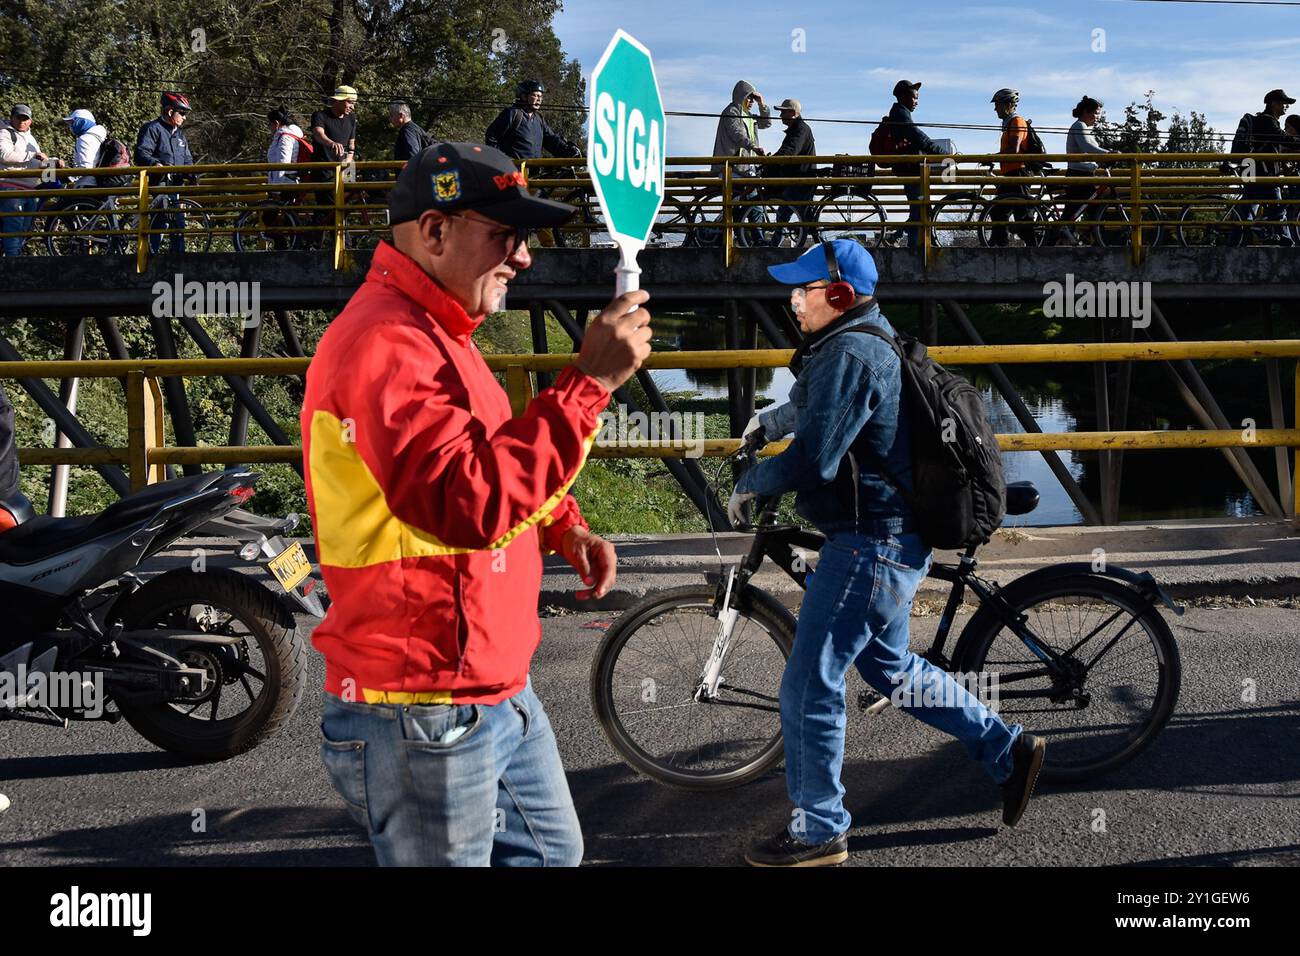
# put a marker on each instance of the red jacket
(427, 497)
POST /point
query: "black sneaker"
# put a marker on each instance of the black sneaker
(1027, 759)
(785, 850)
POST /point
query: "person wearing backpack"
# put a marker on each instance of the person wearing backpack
(1017, 138)
(288, 145)
(411, 139)
(521, 132)
(909, 138)
(851, 462)
(1267, 136)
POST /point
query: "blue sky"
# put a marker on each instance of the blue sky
(1219, 59)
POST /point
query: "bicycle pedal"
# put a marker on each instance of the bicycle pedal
(871, 702)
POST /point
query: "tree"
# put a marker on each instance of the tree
(1140, 132)
(456, 66)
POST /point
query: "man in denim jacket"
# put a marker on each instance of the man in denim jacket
(856, 610)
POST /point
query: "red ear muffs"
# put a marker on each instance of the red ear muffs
(839, 293)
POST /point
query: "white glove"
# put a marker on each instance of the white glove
(734, 503)
(753, 426)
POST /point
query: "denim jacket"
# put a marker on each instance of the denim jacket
(848, 383)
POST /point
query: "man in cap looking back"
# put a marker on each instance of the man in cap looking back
(430, 506)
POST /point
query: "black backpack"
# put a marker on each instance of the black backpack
(1242, 138)
(112, 152)
(1034, 144)
(959, 494)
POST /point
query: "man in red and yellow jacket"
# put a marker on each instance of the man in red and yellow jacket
(431, 506)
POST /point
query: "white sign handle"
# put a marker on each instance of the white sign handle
(627, 277)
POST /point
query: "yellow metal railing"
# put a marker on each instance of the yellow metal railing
(1133, 200)
(146, 452)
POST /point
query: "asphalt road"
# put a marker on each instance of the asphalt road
(1220, 786)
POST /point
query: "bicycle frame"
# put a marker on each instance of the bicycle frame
(779, 543)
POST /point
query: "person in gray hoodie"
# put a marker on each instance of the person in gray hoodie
(738, 128)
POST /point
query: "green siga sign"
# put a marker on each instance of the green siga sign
(625, 140)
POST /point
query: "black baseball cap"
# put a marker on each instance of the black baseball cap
(450, 177)
(1272, 95)
(905, 86)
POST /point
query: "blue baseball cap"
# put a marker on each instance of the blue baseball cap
(857, 268)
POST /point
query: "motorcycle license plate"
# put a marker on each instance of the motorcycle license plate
(290, 566)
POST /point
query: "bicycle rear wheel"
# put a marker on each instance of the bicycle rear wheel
(181, 221)
(1123, 669)
(1113, 226)
(1012, 222)
(646, 676)
(267, 227)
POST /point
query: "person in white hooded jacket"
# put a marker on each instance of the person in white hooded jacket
(90, 137)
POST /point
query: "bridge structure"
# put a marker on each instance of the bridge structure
(1168, 234)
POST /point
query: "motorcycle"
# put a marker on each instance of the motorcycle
(202, 662)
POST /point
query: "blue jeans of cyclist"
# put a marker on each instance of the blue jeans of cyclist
(855, 614)
(496, 795)
(13, 245)
(1271, 211)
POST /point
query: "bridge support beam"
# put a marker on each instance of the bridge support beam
(1021, 411)
(1199, 399)
(74, 343)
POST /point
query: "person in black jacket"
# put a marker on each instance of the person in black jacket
(411, 139)
(1266, 136)
(520, 132)
(798, 142)
(908, 96)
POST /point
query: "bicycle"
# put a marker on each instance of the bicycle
(1233, 225)
(711, 720)
(268, 226)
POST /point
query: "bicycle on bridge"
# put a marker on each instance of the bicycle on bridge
(685, 685)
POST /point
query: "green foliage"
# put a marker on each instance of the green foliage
(1140, 132)
(456, 66)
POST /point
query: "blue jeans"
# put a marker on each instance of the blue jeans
(13, 245)
(856, 614)
(496, 796)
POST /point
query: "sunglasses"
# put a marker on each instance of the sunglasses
(520, 233)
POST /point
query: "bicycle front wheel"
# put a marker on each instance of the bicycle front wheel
(1012, 221)
(646, 690)
(956, 221)
(855, 215)
(1120, 678)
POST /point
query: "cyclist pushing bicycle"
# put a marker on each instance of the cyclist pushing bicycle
(850, 460)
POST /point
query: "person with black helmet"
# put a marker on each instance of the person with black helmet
(1080, 140)
(160, 142)
(520, 132)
